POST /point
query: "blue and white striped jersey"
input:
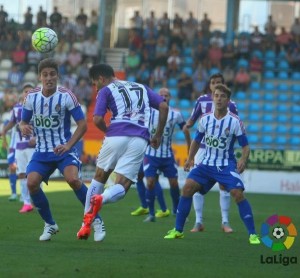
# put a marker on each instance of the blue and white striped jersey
(219, 136)
(165, 148)
(51, 116)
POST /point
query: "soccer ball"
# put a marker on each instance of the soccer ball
(278, 232)
(44, 40)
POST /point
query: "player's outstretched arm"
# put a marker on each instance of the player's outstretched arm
(26, 128)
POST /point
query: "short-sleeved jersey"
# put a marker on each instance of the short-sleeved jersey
(219, 137)
(21, 142)
(165, 148)
(51, 116)
(204, 104)
(129, 103)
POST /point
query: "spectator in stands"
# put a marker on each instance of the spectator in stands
(28, 16)
(33, 58)
(199, 55)
(270, 26)
(201, 39)
(135, 41)
(55, 19)
(243, 47)
(177, 35)
(293, 58)
(200, 78)
(8, 43)
(143, 74)
(133, 62)
(68, 29)
(137, 22)
(91, 49)
(82, 17)
(205, 24)
(150, 41)
(173, 62)
(190, 28)
(229, 56)
(93, 23)
(217, 39)
(228, 75)
(295, 28)
(3, 18)
(80, 30)
(83, 91)
(161, 51)
(256, 68)
(158, 77)
(241, 80)
(283, 40)
(41, 18)
(185, 86)
(178, 21)
(164, 25)
(18, 57)
(151, 21)
(215, 55)
(69, 80)
(15, 77)
(256, 40)
(74, 59)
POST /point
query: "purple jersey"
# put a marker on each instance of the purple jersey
(129, 103)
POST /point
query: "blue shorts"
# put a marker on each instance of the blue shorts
(154, 165)
(207, 176)
(11, 159)
(46, 168)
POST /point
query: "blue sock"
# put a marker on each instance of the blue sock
(150, 197)
(183, 210)
(175, 195)
(13, 182)
(40, 201)
(81, 193)
(141, 189)
(160, 196)
(246, 215)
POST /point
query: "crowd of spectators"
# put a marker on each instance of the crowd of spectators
(76, 49)
(158, 51)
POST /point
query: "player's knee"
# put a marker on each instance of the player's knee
(74, 182)
(237, 195)
(33, 185)
(188, 190)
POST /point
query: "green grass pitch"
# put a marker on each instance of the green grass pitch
(136, 249)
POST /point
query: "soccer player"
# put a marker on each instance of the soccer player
(50, 107)
(219, 128)
(11, 160)
(162, 159)
(203, 105)
(126, 139)
(24, 149)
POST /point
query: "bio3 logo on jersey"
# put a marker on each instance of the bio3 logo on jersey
(215, 142)
(52, 121)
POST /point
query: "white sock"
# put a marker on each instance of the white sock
(25, 192)
(113, 193)
(94, 188)
(198, 201)
(224, 205)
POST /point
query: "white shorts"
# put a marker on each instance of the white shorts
(124, 154)
(22, 159)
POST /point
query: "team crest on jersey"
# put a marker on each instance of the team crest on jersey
(226, 131)
(57, 107)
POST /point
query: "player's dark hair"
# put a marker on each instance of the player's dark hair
(223, 88)
(213, 76)
(104, 70)
(47, 63)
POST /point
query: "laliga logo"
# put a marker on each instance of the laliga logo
(278, 233)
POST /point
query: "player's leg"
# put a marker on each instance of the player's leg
(125, 155)
(22, 158)
(159, 193)
(197, 180)
(225, 205)
(141, 189)
(198, 203)
(12, 175)
(150, 195)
